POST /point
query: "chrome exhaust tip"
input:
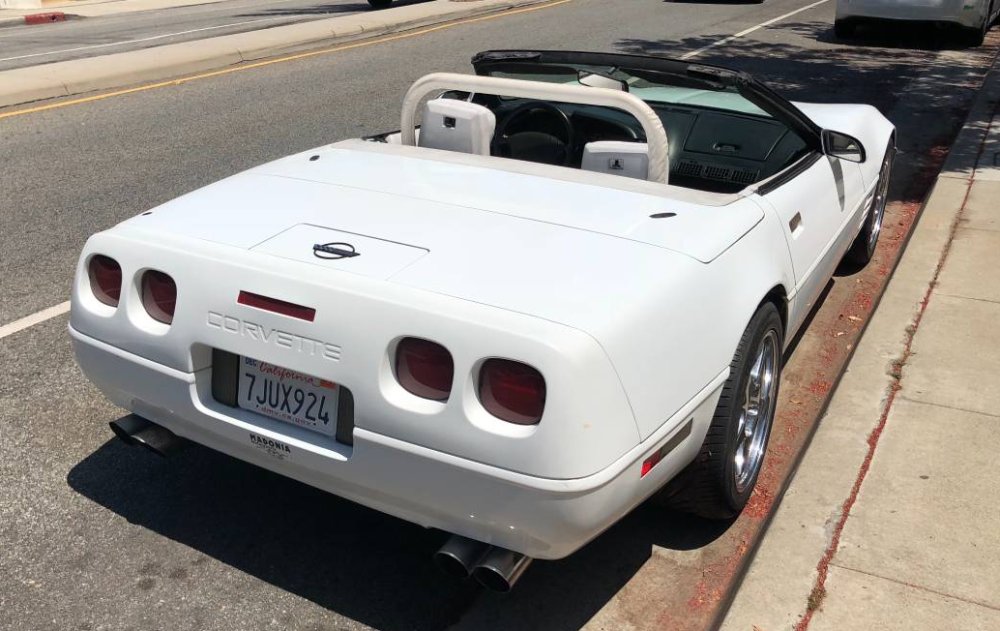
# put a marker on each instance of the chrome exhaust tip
(500, 569)
(135, 430)
(458, 555)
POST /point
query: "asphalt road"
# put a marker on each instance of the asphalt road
(94, 535)
(23, 46)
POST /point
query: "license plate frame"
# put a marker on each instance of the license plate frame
(289, 396)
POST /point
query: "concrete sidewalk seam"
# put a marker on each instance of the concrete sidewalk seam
(944, 293)
(818, 593)
(980, 229)
(915, 586)
(949, 407)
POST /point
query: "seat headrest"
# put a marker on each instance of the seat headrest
(455, 125)
(617, 157)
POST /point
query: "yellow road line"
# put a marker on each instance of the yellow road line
(278, 60)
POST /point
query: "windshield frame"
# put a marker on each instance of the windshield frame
(711, 77)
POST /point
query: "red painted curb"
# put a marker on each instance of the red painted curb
(45, 18)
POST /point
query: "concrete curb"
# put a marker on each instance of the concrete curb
(46, 17)
(778, 587)
(67, 78)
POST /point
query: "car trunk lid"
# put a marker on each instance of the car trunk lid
(422, 197)
(318, 245)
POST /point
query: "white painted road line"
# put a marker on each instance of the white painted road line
(58, 310)
(725, 40)
(35, 318)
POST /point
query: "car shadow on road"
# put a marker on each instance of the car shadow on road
(357, 562)
(706, 1)
(325, 8)
(900, 35)
(860, 71)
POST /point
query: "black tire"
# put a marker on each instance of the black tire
(863, 248)
(379, 4)
(976, 35)
(708, 487)
(844, 29)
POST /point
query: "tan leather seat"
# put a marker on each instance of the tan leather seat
(455, 125)
(630, 159)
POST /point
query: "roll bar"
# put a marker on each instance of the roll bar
(656, 136)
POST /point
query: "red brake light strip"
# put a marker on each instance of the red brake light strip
(274, 305)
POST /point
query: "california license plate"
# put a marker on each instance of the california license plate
(288, 395)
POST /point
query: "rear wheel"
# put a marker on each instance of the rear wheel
(976, 35)
(863, 248)
(844, 29)
(719, 482)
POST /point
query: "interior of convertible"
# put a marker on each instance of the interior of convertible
(717, 140)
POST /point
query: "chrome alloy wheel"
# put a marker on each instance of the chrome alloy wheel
(757, 411)
(879, 201)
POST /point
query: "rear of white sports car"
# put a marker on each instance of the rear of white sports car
(449, 365)
(499, 330)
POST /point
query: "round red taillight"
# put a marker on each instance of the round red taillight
(512, 391)
(159, 296)
(424, 368)
(105, 279)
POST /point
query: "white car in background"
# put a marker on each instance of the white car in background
(569, 290)
(974, 16)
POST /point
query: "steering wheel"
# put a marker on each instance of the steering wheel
(535, 145)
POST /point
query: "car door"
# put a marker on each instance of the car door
(820, 207)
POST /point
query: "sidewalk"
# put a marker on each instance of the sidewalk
(892, 519)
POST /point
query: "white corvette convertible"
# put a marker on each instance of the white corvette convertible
(569, 289)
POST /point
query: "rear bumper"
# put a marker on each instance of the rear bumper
(540, 517)
(966, 13)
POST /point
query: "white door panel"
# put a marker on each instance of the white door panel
(819, 210)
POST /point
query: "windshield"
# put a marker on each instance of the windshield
(653, 87)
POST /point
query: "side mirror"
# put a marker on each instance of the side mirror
(842, 146)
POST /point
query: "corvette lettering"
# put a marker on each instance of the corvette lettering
(277, 337)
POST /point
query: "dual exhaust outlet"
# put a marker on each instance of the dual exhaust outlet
(135, 430)
(495, 568)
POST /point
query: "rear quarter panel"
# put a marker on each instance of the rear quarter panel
(685, 334)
